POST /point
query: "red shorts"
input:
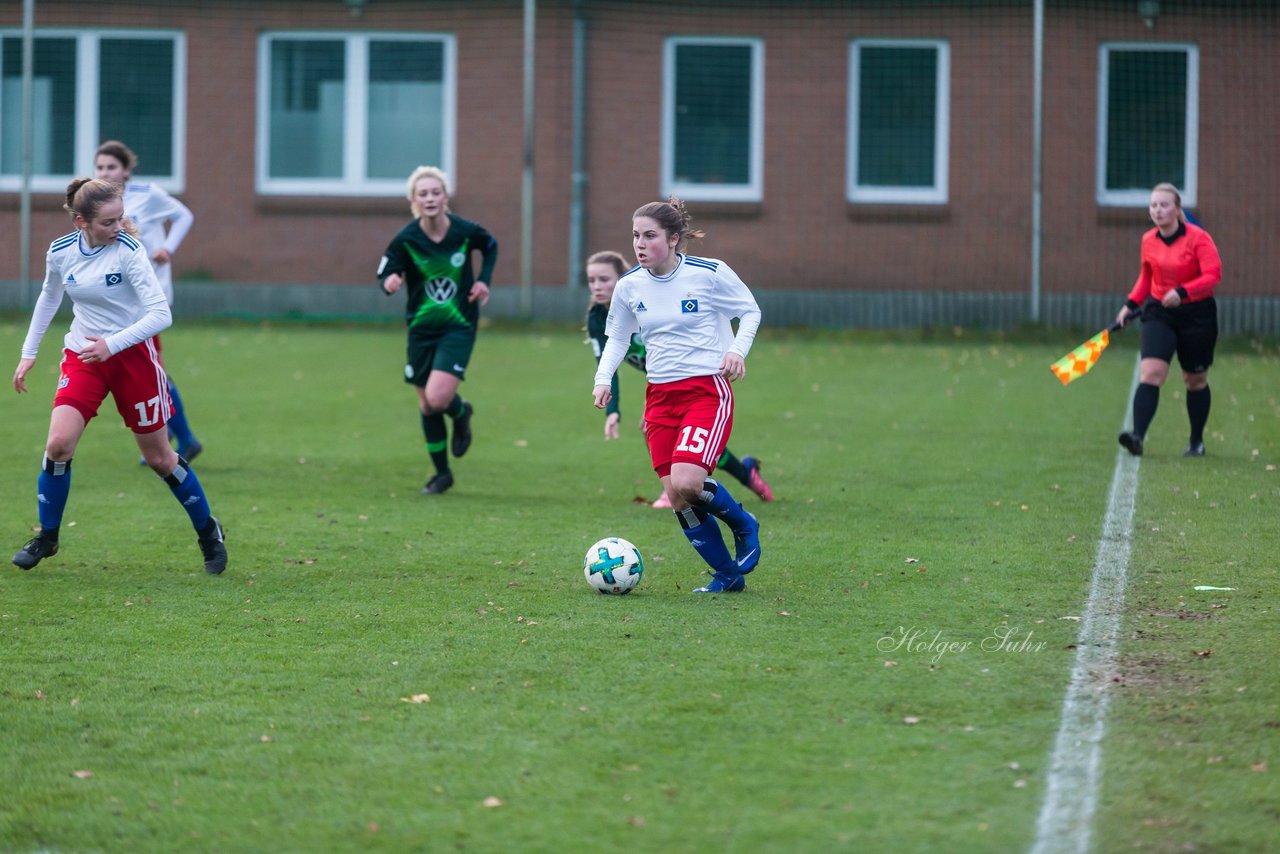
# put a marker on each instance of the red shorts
(688, 421)
(134, 377)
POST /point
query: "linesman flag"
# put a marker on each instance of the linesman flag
(1081, 360)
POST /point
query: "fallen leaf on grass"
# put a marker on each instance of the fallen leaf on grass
(1070, 617)
(1259, 766)
(1203, 653)
(416, 698)
(910, 720)
(492, 802)
(82, 775)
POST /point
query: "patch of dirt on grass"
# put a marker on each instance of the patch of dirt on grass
(1181, 615)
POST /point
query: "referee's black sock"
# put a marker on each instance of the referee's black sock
(1145, 401)
(1198, 413)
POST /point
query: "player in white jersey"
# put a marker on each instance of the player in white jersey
(117, 308)
(682, 307)
(162, 222)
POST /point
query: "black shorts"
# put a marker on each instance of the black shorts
(449, 352)
(1190, 330)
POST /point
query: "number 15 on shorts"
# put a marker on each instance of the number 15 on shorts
(693, 440)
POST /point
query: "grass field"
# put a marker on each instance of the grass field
(892, 679)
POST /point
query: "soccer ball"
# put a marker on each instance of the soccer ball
(613, 565)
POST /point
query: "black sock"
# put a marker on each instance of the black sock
(457, 407)
(1198, 413)
(1145, 401)
(437, 435)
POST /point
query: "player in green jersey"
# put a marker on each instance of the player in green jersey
(431, 259)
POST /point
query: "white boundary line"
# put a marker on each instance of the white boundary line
(1075, 768)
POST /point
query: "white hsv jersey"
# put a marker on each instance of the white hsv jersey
(152, 208)
(113, 289)
(683, 319)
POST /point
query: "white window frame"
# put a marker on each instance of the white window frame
(354, 181)
(88, 83)
(937, 194)
(1141, 197)
(753, 190)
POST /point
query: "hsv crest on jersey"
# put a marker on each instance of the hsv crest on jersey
(113, 279)
(689, 306)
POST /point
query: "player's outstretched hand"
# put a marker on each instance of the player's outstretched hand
(602, 394)
(480, 292)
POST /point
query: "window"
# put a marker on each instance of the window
(1147, 121)
(713, 119)
(899, 119)
(88, 87)
(353, 114)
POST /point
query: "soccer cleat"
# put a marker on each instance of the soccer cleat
(462, 431)
(724, 582)
(1195, 449)
(438, 484)
(1131, 442)
(663, 502)
(755, 482)
(746, 545)
(190, 452)
(35, 551)
(213, 547)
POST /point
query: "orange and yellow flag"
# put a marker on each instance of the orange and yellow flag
(1079, 361)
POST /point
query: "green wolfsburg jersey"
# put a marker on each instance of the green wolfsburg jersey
(438, 276)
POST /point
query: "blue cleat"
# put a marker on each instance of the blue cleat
(724, 582)
(746, 545)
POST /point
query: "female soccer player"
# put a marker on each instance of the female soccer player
(682, 306)
(603, 271)
(1174, 296)
(117, 308)
(431, 256)
(163, 223)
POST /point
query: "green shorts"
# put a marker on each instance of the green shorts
(449, 352)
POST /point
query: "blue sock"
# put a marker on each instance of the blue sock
(190, 494)
(178, 426)
(717, 501)
(704, 535)
(52, 488)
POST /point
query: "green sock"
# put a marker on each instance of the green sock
(728, 462)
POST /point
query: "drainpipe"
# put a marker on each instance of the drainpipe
(1037, 145)
(577, 121)
(526, 189)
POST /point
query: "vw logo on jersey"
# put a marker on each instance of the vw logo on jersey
(114, 279)
(458, 259)
(689, 306)
(442, 290)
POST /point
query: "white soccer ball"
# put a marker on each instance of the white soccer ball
(613, 565)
